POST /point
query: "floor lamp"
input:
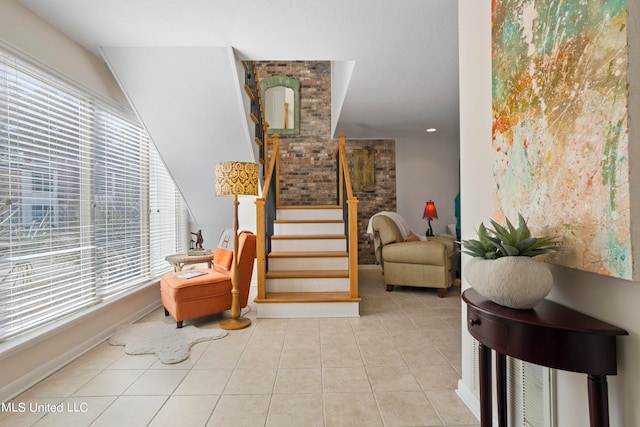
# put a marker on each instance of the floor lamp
(236, 179)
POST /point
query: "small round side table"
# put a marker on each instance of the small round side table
(180, 260)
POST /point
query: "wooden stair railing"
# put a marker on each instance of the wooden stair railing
(268, 203)
(265, 216)
(349, 204)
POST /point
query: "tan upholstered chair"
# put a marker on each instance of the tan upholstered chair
(416, 263)
(211, 292)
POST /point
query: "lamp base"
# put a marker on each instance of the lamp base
(429, 230)
(235, 324)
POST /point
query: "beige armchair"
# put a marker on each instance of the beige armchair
(421, 263)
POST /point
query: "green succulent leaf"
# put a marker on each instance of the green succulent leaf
(491, 255)
(524, 244)
(474, 252)
(523, 230)
(513, 232)
(511, 250)
(509, 240)
(539, 252)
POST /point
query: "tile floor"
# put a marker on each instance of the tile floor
(396, 365)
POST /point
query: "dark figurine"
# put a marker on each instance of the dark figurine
(199, 239)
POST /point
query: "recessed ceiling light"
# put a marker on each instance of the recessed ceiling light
(431, 130)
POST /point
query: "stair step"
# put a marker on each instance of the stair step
(314, 260)
(321, 279)
(307, 236)
(247, 89)
(308, 243)
(309, 254)
(308, 221)
(310, 207)
(307, 284)
(291, 305)
(308, 265)
(308, 227)
(307, 274)
(306, 297)
(325, 212)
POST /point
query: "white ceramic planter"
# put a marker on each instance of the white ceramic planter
(515, 282)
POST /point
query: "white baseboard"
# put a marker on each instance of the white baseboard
(31, 359)
(469, 399)
(307, 310)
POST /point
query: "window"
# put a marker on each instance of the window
(78, 178)
(41, 182)
(40, 213)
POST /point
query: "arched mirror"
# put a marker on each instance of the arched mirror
(281, 100)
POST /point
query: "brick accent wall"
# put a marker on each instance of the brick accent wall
(384, 196)
(307, 168)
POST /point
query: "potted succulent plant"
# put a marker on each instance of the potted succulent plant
(503, 269)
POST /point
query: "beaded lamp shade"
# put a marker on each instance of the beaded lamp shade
(236, 179)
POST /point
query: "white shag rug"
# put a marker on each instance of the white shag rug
(169, 343)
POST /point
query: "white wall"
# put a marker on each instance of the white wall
(427, 169)
(29, 34)
(190, 102)
(612, 300)
(340, 77)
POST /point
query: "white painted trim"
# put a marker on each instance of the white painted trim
(467, 397)
(305, 228)
(316, 284)
(33, 357)
(309, 214)
(309, 263)
(293, 245)
(307, 310)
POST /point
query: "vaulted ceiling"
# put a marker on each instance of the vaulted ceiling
(401, 75)
(394, 72)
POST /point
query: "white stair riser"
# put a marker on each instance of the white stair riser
(302, 310)
(308, 285)
(308, 263)
(297, 228)
(293, 214)
(291, 245)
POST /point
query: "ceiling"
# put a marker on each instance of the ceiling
(398, 60)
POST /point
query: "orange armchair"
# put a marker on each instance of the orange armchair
(210, 292)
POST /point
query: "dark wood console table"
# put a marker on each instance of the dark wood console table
(549, 335)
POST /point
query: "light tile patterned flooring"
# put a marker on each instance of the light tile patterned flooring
(396, 365)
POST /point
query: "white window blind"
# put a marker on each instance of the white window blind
(167, 216)
(74, 200)
(46, 262)
(120, 184)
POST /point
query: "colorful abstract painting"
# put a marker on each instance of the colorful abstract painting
(560, 129)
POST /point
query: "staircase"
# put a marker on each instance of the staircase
(307, 257)
(308, 274)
